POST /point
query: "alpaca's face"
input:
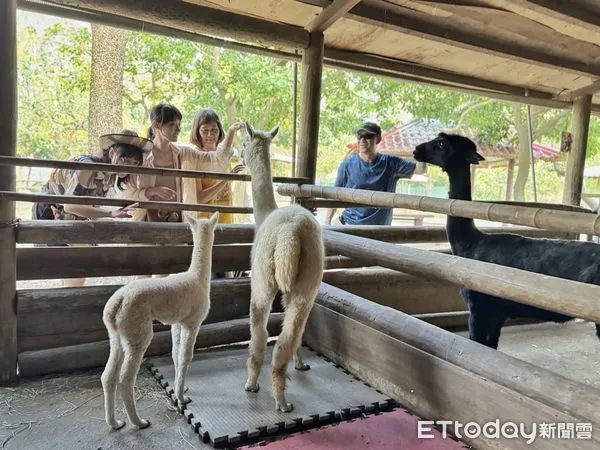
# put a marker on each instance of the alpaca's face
(256, 142)
(437, 152)
(446, 150)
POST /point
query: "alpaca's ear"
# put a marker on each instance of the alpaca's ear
(475, 157)
(188, 218)
(214, 218)
(274, 131)
(249, 130)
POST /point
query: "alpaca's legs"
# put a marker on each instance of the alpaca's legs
(298, 363)
(109, 382)
(133, 355)
(494, 327)
(288, 343)
(176, 342)
(484, 328)
(186, 353)
(175, 339)
(260, 307)
(598, 330)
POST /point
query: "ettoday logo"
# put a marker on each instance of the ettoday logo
(506, 430)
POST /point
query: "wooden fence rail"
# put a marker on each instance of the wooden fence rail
(556, 294)
(551, 219)
(127, 232)
(101, 201)
(120, 168)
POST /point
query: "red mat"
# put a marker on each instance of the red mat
(392, 430)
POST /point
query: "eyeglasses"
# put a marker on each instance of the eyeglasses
(365, 138)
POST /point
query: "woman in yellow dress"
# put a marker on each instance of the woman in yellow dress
(208, 136)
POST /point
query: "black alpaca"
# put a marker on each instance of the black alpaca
(573, 260)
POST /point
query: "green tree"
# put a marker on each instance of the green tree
(53, 84)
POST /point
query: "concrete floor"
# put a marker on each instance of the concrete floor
(571, 350)
(66, 411)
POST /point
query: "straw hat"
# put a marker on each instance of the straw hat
(126, 137)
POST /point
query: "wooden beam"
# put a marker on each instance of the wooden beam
(312, 70)
(427, 73)
(198, 19)
(573, 18)
(571, 95)
(95, 354)
(428, 369)
(564, 296)
(50, 318)
(443, 30)
(120, 168)
(101, 201)
(145, 27)
(56, 232)
(532, 100)
(407, 293)
(330, 14)
(8, 143)
(337, 58)
(551, 219)
(43, 263)
(576, 159)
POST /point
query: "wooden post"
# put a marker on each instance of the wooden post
(576, 159)
(509, 179)
(312, 69)
(8, 142)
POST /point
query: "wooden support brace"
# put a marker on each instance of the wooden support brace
(312, 70)
(8, 141)
(440, 375)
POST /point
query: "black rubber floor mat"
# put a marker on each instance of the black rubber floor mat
(225, 415)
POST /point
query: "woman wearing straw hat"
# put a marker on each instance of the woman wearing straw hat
(125, 148)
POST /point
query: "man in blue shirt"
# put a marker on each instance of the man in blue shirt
(370, 170)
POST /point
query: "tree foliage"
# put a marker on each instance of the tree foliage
(54, 84)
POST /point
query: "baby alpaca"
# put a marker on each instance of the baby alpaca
(287, 255)
(181, 300)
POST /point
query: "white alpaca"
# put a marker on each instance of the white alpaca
(181, 300)
(287, 255)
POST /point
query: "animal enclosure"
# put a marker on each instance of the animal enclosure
(385, 311)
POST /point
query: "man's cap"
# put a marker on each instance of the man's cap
(126, 137)
(368, 129)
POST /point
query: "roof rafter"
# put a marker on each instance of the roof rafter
(330, 14)
(194, 18)
(416, 23)
(342, 59)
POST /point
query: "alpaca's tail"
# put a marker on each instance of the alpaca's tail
(287, 255)
(111, 309)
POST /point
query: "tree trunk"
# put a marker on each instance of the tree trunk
(524, 158)
(106, 86)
